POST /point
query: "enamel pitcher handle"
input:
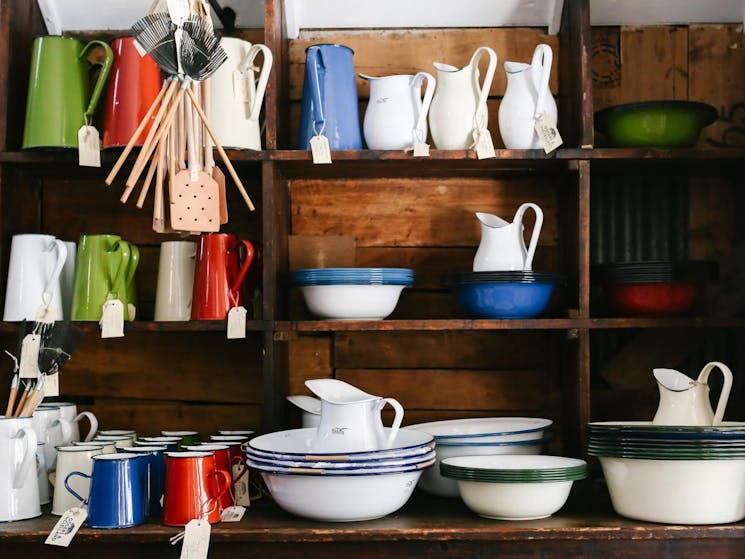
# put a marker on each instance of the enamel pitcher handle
(28, 436)
(244, 268)
(703, 378)
(319, 120)
(46, 296)
(396, 420)
(423, 103)
(258, 95)
(480, 116)
(543, 57)
(70, 489)
(528, 264)
(92, 420)
(106, 65)
(119, 282)
(65, 429)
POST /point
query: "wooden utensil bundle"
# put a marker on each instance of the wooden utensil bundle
(30, 396)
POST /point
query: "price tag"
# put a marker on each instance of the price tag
(484, 144)
(131, 311)
(51, 385)
(240, 86)
(112, 320)
(232, 514)
(67, 526)
(29, 367)
(196, 540)
(421, 149)
(237, 323)
(45, 314)
(319, 147)
(139, 48)
(89, 147)
(548, 133)
(240, 485)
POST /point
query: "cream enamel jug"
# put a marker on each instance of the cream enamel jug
(526, 98)
(502, 245)
(350, 418)
(396, 114)
(684, 401)
(19, 490)
(459, 104)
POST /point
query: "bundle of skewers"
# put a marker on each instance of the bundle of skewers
(189, 188)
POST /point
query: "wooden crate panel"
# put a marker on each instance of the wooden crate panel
(453, 389)
(416, 212)
(441, 350)
(202, 367)
(309, 357)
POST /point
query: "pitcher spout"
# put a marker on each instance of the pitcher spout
(490, 220)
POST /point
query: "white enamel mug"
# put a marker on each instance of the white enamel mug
(175, 280)
(74, 458)
(69, 411)
(19, 490)
(36, 262)
(235, 95)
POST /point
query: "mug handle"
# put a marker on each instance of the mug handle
(70, 489)
(528, 264)
(29, 455)
(226, 477)
(263, 77)
(239, 460)
(543, 57)
(102, 76)
(46, 296)
(422, 104)
(93, 421)
(244, 268)
(481, 114)
(703, 377)
(315, 58)
(396, 420)
(119, 282)
(65, 427)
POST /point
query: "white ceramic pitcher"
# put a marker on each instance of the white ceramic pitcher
(526, 98)
(235, 97)
(69, 411)
(396, 115)
(350, 418)
(459, 104)
(684, 401)
(19, 491)
(502, 245)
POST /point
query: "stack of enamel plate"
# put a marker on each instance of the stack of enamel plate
(673, 474)
(339, 486)
(352, 293)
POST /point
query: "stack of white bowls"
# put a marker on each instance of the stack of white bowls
(673, 474)
(344, 486)
(479, 436)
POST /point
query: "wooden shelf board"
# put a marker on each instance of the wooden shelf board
(427, 325)
(663, 322)
(151, 326)
(652, 153)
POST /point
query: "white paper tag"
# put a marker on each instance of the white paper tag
(484, 144)
(89, 147)
(196, 540)
(29, 366)
(51, 385)
(319, 146)
(45, 314)
(237, 323)
(421, 149)
(232, 514)
(547, 133)
(131, 311)
(67, 526)
(112, 320)
(240, 485)
(240, 86)
(139, 48)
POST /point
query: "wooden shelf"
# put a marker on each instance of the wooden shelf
(152, 326)
(663, 322)
(427, 325)
(652, 153)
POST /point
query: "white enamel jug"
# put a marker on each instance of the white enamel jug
(19, 490)
(527, 97)
(502, 245)
(396, 115)
(350, 418)
(684, 401)
(459, 104)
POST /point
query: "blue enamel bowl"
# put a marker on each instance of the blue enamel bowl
(504, 300)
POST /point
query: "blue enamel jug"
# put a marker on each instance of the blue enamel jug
(330, 105)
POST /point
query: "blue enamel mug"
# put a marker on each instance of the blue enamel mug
(156, 474)
(330, 104)
(118, 491)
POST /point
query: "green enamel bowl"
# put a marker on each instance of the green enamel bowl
(661, 124)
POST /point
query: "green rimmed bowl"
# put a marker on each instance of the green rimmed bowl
(513, 469)
(661, 124)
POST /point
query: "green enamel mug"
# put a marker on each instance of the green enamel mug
(59, 99)
(105, 269)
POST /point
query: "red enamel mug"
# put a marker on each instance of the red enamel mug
(225, 459)
(134, 83)
(194, 488)
(218, 275)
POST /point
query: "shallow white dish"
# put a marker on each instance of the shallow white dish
(514, 501)
(371, 471)
(677, 491)
(515, 462)
(501, 429)
(342, 466)
(351, 302)
(341, 498)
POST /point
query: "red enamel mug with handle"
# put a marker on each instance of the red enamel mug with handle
(218, 275)
(194, 488)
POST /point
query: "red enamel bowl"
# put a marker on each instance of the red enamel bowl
(655, 299)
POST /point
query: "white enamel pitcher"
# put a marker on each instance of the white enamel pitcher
(350, 418)
(19, 491)
(459, 104)
(684, 401)
(502, 245)
(526, 98)
(235, 97)
(396, 115)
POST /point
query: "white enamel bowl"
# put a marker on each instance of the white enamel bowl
(485, 429)
(267, 463)
(514, 501)
(351, 302)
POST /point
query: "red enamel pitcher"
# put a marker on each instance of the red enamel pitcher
(218, 275)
